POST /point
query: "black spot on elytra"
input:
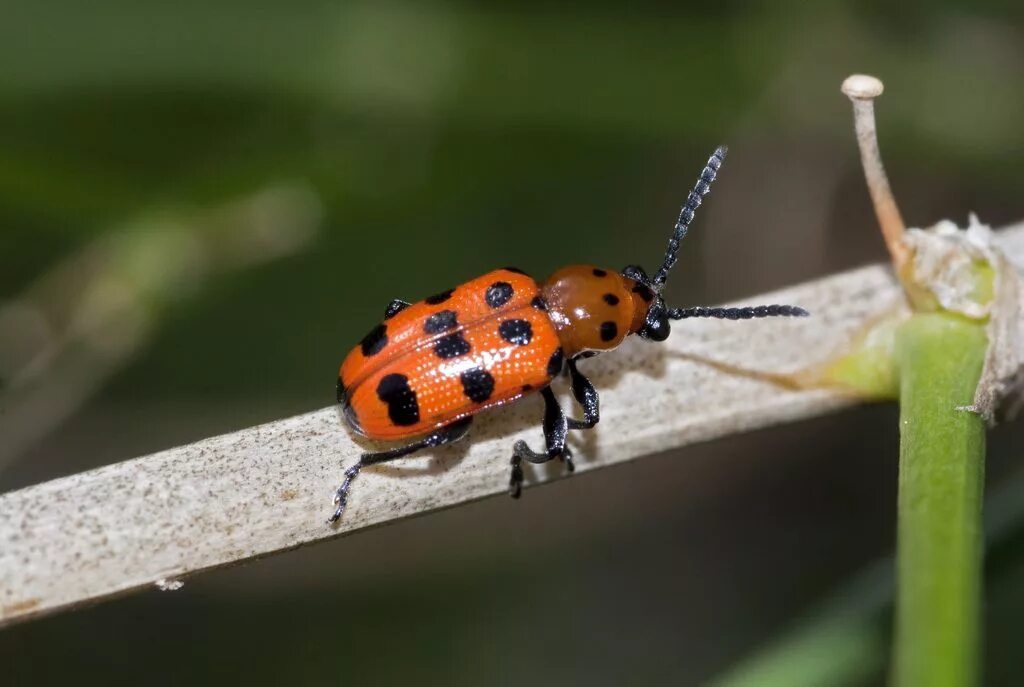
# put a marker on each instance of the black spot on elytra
(644, 292)
(513, 269)
(394, 390)
(610, 299)
(609, 330)
(374, 342)
(556, 362)
(451, 346)
(539, 303)
(439, 298)
(440, 322)
(527, 388)
(477, 384)
(517, 332)
(498, 294)
(598, 272)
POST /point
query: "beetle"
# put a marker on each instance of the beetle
(429, 367)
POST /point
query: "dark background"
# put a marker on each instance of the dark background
(146, 300)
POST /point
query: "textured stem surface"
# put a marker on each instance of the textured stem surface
(942, 459)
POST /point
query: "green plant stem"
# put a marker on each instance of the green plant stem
(941, 476)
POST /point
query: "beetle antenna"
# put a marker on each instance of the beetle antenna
(746, 313)
(693, 202)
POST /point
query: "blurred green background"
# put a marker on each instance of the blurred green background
(204, 204)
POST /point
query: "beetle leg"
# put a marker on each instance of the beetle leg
(394, 307)
(555, 428)
(586, 395)
(636, 273)
(445, 435)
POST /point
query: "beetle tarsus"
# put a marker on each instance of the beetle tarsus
(521, 451)
(515, 482)
(567, 459)
(341, 496)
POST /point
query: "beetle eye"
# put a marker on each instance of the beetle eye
(657, 327)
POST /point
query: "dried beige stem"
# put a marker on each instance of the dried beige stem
(148, 522)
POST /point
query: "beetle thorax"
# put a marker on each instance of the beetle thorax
(593, 309)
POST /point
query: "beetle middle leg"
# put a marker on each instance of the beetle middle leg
(445, 435)
(394, 307)
(555, 429)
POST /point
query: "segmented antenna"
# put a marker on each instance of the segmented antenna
(693, 202)
(737, 313)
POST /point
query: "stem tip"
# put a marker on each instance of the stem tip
(862, 87)
(862, 91)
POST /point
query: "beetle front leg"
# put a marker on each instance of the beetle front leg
(555, 429)
(586, 395)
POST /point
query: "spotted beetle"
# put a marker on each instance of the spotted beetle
(429, 367)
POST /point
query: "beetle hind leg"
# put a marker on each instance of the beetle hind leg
(555, 428)
(445, 435)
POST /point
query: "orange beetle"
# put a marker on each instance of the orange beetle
(430, 366)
